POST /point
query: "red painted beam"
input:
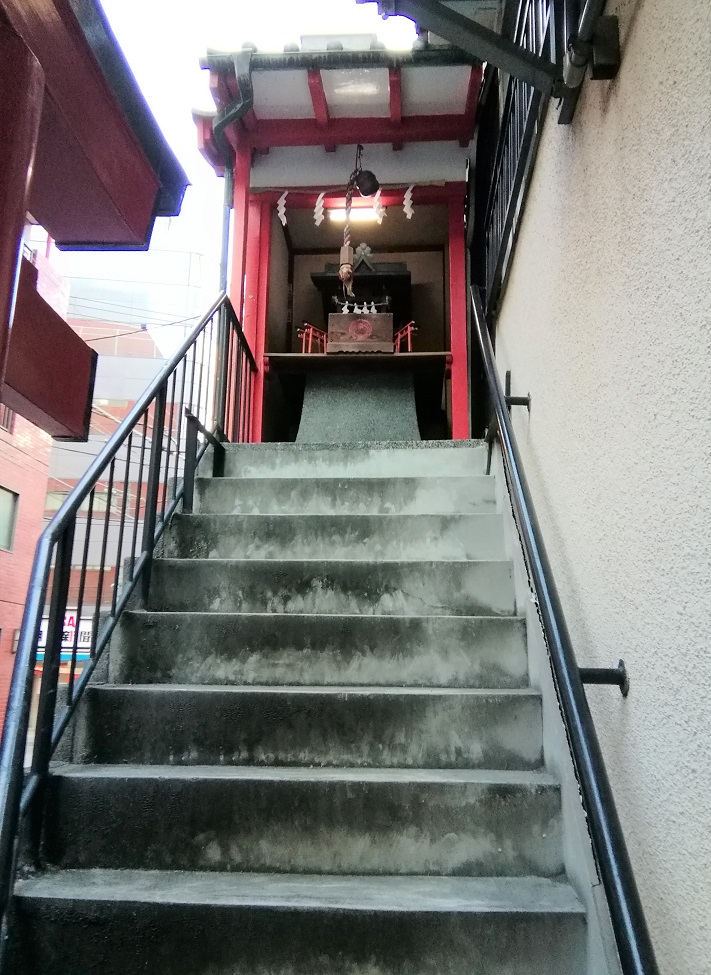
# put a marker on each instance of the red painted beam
(21, 92)
(395, 84)
(50, 371)
(249, 120)
(271, 133)
(319, 102)
(206, 143)
(305, 198)
(318, 96)
(219, 90)
(476, 77)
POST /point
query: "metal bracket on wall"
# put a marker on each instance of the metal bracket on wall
(607, 675)
(515, 400)
(591, 39)
(478, 41)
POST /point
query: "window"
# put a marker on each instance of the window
(7, 418)
(15, 640)
(55, 500)
(8, 514)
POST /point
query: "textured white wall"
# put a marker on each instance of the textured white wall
(606, 321)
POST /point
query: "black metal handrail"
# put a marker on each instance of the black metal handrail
(138, 479)
(634, 944)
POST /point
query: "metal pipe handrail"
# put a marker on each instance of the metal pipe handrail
(634, 944)
(233, 360)
(120, 435)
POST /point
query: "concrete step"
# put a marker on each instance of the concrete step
(299, 820)
(425, 458)
(345, 495)
(103, 922)
(371, 537)
(314, 726)
(314, 586)
(230, 648)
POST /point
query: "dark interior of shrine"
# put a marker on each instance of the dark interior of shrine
(405, 261)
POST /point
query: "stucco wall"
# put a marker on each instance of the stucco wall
(606, 321)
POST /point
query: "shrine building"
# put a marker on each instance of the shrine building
(344, 159)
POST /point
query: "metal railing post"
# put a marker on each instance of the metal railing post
(153, 485)
(191, 433)
(223, 346)
(50, 678)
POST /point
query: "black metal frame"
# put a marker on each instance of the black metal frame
(153, 456)
(537, 28)
(634, 944)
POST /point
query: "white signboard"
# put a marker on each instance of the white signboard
(70, 626)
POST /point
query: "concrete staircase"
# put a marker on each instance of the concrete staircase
(317, 751)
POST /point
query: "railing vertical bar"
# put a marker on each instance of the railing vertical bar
(229, 382)
(168, 444)
(153, 485)
(139, 492)
(201, 369)
(192, 377)
(50, 675)
(239, 390)
(179, 433)
(102, 558)
(211, 374)
(80, 597)
(122, 522)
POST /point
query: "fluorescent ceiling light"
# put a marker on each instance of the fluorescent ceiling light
(358, 215)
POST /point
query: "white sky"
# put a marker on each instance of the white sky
(163, 41)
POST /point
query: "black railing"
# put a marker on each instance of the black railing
(535, 30)
(99, 547)
(634, 944)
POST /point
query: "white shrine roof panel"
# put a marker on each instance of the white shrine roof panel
(282, 94)
(357, 92)
(435, 90)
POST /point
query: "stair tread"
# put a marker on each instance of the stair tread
(493, 777)
(327, 690)
(338, 561)
(510, 619)
(392, 894)
(347, 479)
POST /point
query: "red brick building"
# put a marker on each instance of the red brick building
(24, 466)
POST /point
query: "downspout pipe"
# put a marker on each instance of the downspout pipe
(232, 113)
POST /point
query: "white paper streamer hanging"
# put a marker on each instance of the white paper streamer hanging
(378, 208)
(281, 207)
(318, 210)
(407, 202)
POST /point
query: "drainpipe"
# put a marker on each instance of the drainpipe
(233, 113)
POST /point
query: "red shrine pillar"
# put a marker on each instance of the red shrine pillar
(255, 300)
(458, 322)
(21, 94)
(240, 210)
